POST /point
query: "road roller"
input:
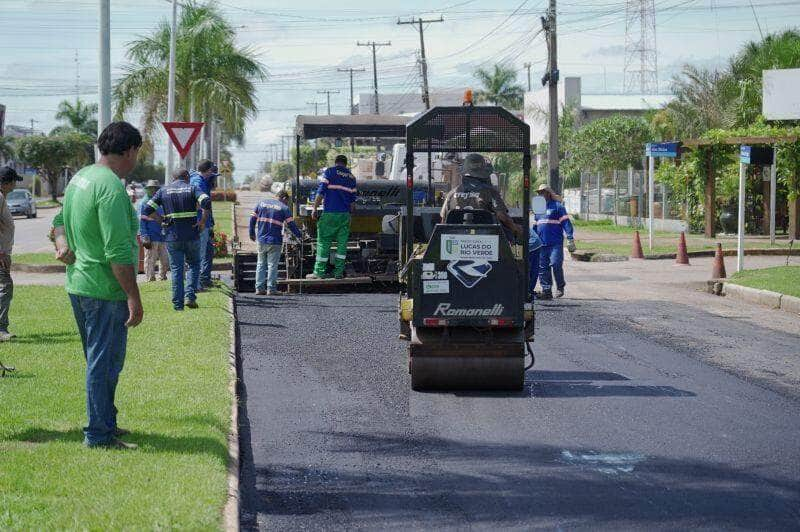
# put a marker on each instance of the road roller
(465, 307)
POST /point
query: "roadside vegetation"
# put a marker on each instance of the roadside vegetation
(173, 395)
(782, 279)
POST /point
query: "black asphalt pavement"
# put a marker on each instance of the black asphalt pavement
(617, 428)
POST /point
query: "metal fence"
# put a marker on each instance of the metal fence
(620, 196)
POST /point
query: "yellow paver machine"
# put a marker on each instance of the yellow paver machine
(465, 308)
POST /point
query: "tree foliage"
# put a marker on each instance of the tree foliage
(80, 117)
(6, 148)
(51, 154)
(214, 76)
(607, 144)
(500, 87)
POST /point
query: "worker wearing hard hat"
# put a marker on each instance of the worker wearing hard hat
(551, 227)
(337, 188)
(477, 193)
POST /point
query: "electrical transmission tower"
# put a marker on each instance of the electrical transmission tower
(641, 61)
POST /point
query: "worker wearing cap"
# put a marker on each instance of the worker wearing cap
(8, 181)
(203, 180)
(182, 230)
(551, 227)
(477, 193)
(267, 222)
(155, 250)
(338, 189)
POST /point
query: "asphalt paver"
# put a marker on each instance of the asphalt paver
(619, 426)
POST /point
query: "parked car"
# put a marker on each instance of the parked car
(21, 203)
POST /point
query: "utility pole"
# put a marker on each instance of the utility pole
(287, 144)
(528, 67)
(173, 37)
(549, 26)
(328, 93)
(426, 98)
(374, 45)
(105, 66)
(316, 107)
(351, 70)
(32, 123)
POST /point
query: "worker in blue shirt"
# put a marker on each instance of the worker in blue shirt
(182, 229)
(551, 227)
(534, 254)
(338, 188)
(267, 222)
(155, 250)
(203, 180)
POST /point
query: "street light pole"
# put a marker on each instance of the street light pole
(105, 66)
(173, 39)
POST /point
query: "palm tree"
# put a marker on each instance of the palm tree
(214, 78)
(703, 100)
(774, 51)
(500, 87)
(79, 117)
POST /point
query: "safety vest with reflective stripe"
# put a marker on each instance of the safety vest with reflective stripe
(268, 220)
(180, 201)
(552, 225)
(338, 186)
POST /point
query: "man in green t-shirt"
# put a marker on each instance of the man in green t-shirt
(96, 237)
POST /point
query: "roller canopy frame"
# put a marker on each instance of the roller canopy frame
(468, 129)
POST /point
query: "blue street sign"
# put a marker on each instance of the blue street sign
(744, 154)
(760, 155)
(662, 149)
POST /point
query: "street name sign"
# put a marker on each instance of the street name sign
(662, 149)
(761, 155)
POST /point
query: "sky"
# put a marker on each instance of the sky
(49, 49)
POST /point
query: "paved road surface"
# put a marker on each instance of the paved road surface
(30, 235)
(621, 425)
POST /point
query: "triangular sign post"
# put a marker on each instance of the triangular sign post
(183, 135)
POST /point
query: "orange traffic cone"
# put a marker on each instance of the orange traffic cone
(682, 256)
(718, 272)
(636, 252)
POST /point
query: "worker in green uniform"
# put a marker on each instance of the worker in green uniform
(338, 188)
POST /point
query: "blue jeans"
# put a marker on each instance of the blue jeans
(206, 258)
(180, 252)
(551, 257)
(269, 255)
(533, 268)
(104, 336)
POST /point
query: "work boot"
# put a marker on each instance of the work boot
(261, 292)
(120, 445)
(119, 432)
(559, 292)
(6, 336)
(192, 304)
(275, 292)
(546, 295)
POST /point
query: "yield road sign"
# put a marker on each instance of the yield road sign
(183, 135)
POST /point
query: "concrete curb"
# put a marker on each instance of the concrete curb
(231, 510)
(774, 300)
(592, 256)
(753, 295)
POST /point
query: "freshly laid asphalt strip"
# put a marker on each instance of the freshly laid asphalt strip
(615, 429)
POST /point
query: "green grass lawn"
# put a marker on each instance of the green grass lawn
(783, 279)
(34, 258)
(223, 217)
(46, 203)
(173, 394)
